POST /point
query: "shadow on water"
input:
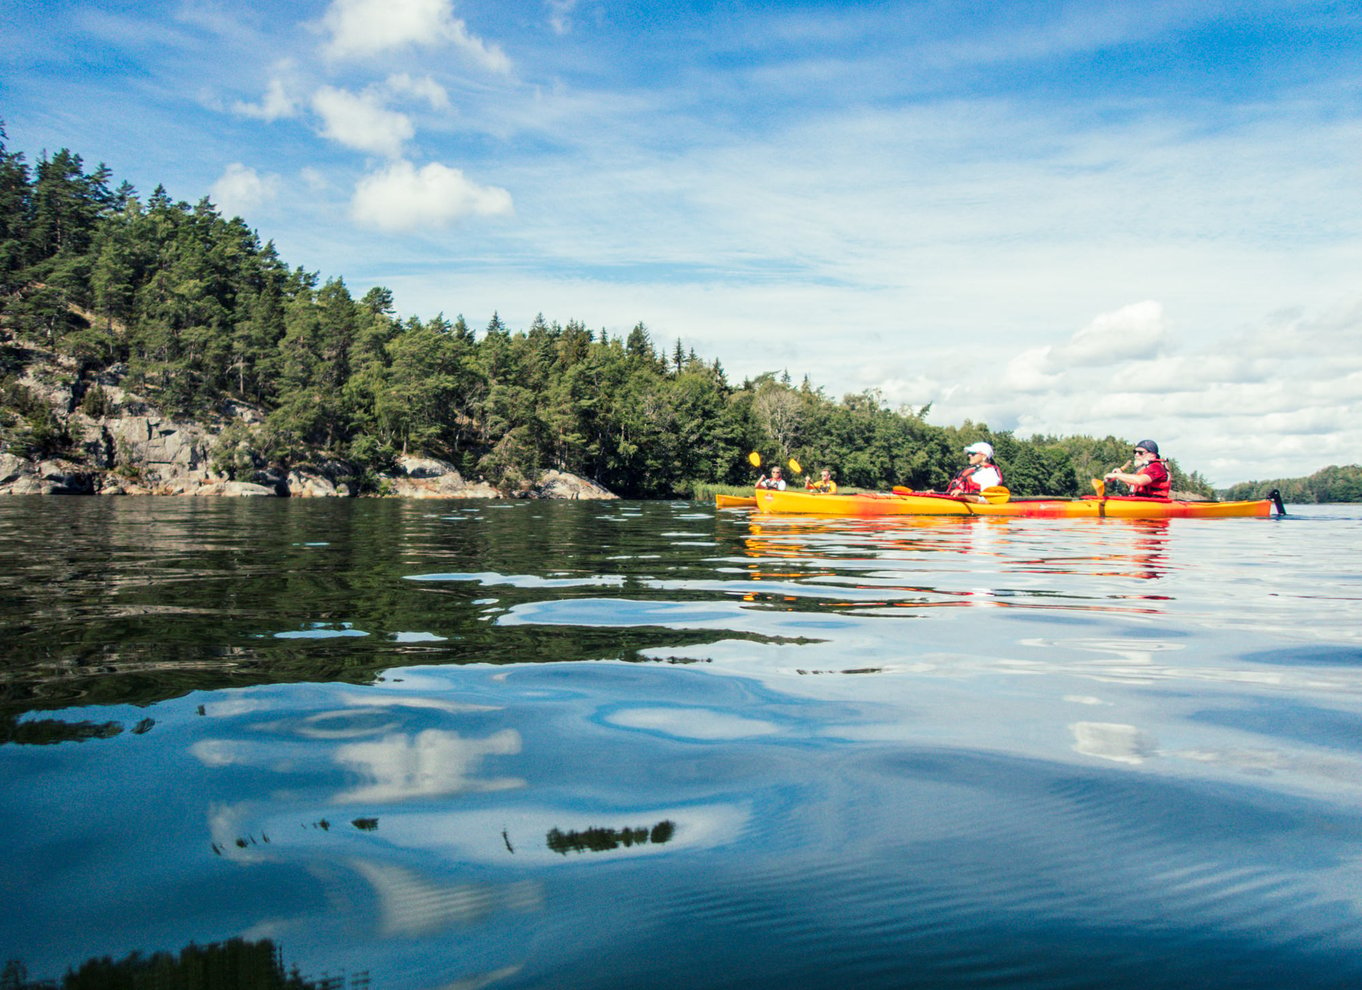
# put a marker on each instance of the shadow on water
(134, 601)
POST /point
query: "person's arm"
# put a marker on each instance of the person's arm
(1135, 480)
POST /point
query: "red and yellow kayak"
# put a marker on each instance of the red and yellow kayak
(927, 504)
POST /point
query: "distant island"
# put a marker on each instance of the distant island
(1330, 484)
(148, 345)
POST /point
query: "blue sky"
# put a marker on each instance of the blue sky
(1097, 217)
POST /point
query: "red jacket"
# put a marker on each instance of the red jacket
(1160, 485)
(964, 481)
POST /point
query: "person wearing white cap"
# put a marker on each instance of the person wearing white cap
(980, 474)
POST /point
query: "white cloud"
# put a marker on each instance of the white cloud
(240, 190)
(1132, 332)
(403, 198)
(1028, 371)
(361, 121)
(276, 104)
(432, 763)
(370, 27)
(425, 88)
(560, 15)
(315, 178)
(1275, 401)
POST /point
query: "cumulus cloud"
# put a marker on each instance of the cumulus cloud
(1278, 399)
(1028, 371)
(274, 105)
(1131, 332)
(361, 28)
(404, 198)
(361, 121)
(240, 190)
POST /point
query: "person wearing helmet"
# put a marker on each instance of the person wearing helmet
(1149, 476)
(981, 472)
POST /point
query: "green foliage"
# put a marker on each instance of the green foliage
(29, 428)
(96, 402)
(1331, 484)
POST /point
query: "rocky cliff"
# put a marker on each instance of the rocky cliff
(123, 445)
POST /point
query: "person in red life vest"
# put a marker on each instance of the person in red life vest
(776, 481)
(1149, 476)
(824, 485)
(980, 474)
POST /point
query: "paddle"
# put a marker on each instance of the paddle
(755, 460)
(1099, 486)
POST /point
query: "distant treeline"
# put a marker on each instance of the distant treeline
(1331, 484)
(194, 313)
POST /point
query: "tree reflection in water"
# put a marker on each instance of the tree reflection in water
(233, 965)
(603, 839)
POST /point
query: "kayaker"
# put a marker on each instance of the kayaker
(776, 480)
(1149, 476)
(824, 485)
(980, 474)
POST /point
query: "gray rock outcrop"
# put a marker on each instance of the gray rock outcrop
(123, 445)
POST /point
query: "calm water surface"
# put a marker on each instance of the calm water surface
(547, 744)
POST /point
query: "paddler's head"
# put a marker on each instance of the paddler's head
(983, 451)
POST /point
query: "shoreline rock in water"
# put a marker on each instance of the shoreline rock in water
(131, 449)
(426, 478)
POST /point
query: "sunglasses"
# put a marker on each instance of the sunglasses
(1139, 450)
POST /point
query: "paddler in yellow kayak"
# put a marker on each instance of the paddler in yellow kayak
(824, 485)
(981, 473)
(1149, 476)
(776, 479)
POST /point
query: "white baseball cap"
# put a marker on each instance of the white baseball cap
(981, 448)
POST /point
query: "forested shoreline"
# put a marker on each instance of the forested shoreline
(191, 311)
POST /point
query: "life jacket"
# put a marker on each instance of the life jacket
(825, 487)
(1158, 487)
(964, 483)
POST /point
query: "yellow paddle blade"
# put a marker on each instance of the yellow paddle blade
(754, 459)
(794, 466)
(996, 495)
(1099, 487)
(901, 490)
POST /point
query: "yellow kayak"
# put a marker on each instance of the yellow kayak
(927, 504)
(734, 502)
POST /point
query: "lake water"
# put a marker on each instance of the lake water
(620, 744)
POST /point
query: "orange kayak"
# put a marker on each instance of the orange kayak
(927, 504)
